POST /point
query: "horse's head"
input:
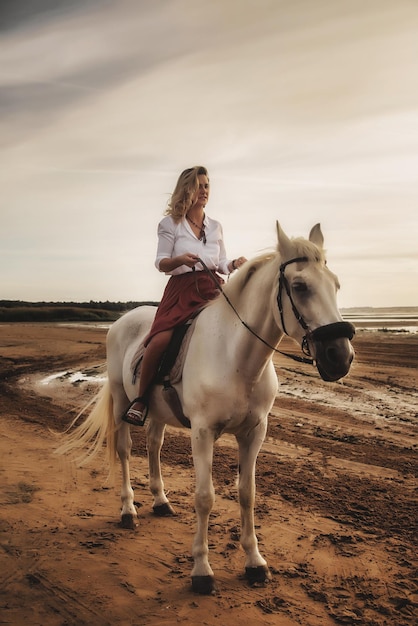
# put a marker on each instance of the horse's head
(307, 306)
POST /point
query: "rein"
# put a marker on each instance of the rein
(295, 357)
(328, 331)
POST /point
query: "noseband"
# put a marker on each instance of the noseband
(322, 333)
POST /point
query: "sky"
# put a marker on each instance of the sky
(303, 111)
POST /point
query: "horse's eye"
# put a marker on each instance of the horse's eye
(300, 287)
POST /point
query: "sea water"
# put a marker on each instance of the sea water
(391, 319)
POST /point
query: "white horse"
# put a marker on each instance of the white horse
(228, 383)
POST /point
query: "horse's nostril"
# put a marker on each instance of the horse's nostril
(332, 355)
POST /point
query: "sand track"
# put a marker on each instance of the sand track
(336, 504)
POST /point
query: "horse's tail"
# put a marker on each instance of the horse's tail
(87, 439)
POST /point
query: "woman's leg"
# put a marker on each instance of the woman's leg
(151, 359)
(149, 366)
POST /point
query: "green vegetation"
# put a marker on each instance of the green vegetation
(20, 311)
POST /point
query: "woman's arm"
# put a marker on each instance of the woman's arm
(170, 264)
(231, 266)
(165, 262)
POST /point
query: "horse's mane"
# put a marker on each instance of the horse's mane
(235, 286)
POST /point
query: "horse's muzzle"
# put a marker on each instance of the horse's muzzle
(333, 350)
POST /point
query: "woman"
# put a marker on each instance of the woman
(185, 236)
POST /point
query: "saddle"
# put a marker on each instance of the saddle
(170, 370)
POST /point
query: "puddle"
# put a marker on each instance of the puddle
(74, 378)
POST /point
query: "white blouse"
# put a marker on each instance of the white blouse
(178, 238)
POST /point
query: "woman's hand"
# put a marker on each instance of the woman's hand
(188, 259)
(236, 263)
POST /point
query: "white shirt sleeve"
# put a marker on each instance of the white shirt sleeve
(166, 237)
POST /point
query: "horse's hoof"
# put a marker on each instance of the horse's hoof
(128, 521)
(163, 510)
(205, 585)
(257, 575)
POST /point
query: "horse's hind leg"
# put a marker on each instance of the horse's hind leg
(123, 448)
(155, 439)
(124, 445)
(256, 569)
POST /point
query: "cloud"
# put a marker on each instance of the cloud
(301, 113)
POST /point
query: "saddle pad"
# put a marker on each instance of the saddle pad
(176, 371)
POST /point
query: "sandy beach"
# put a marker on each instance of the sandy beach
(336, 508)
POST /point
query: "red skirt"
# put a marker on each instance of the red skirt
(184, 295)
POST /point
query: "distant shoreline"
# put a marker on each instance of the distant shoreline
(396, 319)
(401, 319)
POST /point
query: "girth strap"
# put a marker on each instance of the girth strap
(170, 395)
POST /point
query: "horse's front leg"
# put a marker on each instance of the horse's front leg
(155, 439)
(256, 569)
(203, 580)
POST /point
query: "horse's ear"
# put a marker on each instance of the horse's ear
(316, 236)
(283, 240)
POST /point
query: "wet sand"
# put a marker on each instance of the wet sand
(336, 506)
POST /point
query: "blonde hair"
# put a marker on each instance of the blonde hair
(185, 191)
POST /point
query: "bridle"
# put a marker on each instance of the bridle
(327, 332)
(284, 282)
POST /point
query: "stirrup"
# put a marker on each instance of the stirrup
(134, 417)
